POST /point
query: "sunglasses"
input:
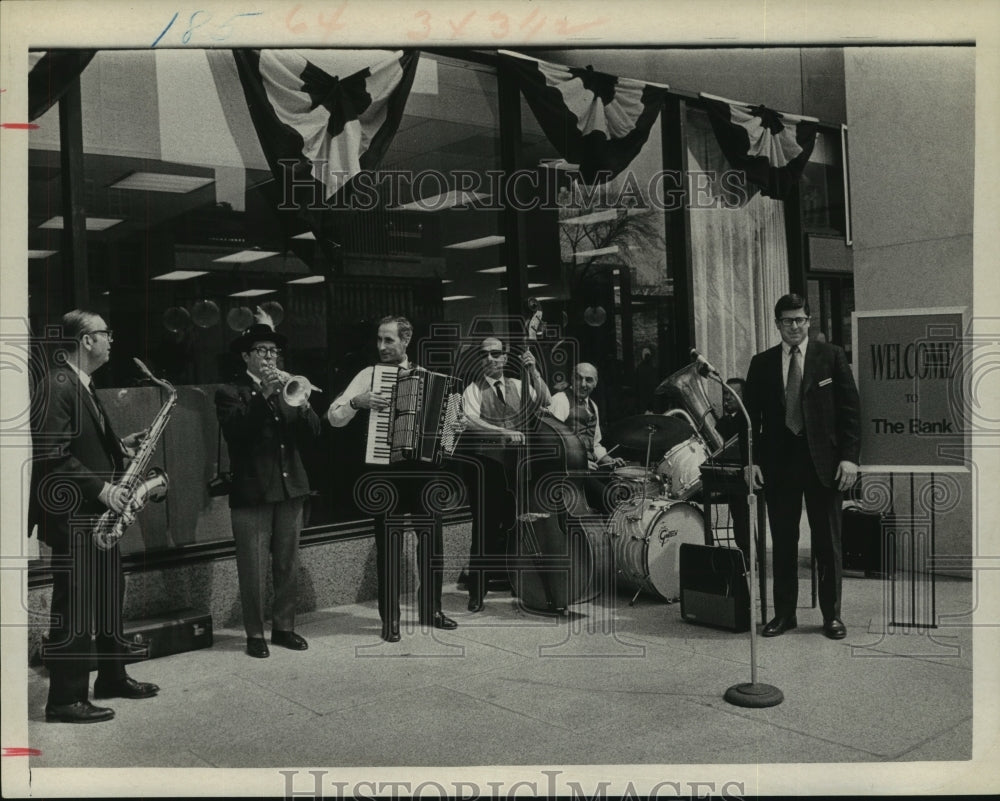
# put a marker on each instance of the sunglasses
(496, 354)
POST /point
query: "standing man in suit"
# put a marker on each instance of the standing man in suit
(492, 405)
(804, 411)
(356, 403)
(79, 457)
(265, 436)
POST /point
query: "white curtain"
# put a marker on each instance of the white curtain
(739, 266)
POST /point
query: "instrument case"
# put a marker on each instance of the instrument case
(170, 633)
(714, 589)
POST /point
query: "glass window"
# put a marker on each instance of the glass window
(192, 246)
(822, 186)
(597, 263)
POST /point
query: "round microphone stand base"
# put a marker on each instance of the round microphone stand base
(754, 695)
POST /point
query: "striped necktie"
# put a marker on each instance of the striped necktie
(793, 393)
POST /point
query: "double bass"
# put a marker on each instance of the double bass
(552, 561)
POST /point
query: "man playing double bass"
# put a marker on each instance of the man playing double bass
(492, 406)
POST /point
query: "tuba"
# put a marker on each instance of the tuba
(689, 388)
(141, 486)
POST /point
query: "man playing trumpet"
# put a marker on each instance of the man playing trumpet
(266, 422)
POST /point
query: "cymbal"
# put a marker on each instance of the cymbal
(634, 433)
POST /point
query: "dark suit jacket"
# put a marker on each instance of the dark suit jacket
(264, 446)
(73, 457)
(830, 409)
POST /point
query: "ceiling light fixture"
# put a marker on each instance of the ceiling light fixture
(93, 223)
(447, 200)
(162, 182)
(475, 244)
(180, 275)
(244, 256)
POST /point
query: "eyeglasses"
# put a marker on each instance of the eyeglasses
(496, 354)
(788, 322)
(262, 352)
(106, 331)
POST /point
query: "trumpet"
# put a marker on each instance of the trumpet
(295, 389)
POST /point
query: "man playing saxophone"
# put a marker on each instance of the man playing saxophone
(266, 429)
(78, 461)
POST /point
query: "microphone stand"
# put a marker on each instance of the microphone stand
(754, 694)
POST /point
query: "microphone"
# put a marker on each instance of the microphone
(705, 367)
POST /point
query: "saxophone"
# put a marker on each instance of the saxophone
(141, 486)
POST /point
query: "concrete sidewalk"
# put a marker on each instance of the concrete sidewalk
(607, 684)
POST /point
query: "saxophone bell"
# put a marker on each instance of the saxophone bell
(153, 488)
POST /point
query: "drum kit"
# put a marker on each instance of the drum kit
(654, 513)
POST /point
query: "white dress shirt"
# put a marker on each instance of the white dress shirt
(560, 410)
(340, 412)
(786, 359)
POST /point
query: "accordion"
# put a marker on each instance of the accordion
(418, 424)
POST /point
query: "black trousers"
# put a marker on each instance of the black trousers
(785, 487)
(493, 505)
(88, 589)
(408, 507)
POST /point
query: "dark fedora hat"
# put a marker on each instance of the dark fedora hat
(258, 332)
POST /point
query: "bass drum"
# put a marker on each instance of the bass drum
(647, 546)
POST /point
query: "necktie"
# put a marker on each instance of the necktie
(97, 405)
(498, 387)
(793, 393)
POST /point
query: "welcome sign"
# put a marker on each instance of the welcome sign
(908, 364)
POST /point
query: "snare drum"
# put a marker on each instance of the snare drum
(631, 482)
(647, 546)
(680, 469)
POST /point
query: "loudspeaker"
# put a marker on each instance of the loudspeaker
(714, 589)
(861, 540)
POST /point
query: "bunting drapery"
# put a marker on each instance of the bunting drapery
(772, 148)
(322, 117)
(593, 119)
(50, 76)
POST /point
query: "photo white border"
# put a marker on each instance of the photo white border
(379, 23)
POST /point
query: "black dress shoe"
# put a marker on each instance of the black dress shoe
(79, 712)
(125, 688)
(476, 603)
(834, 629)
(779, 625)
(439, 621)
(392, 635)
(257, 647)
(289, 639)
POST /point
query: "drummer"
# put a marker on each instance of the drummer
(576, 408)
